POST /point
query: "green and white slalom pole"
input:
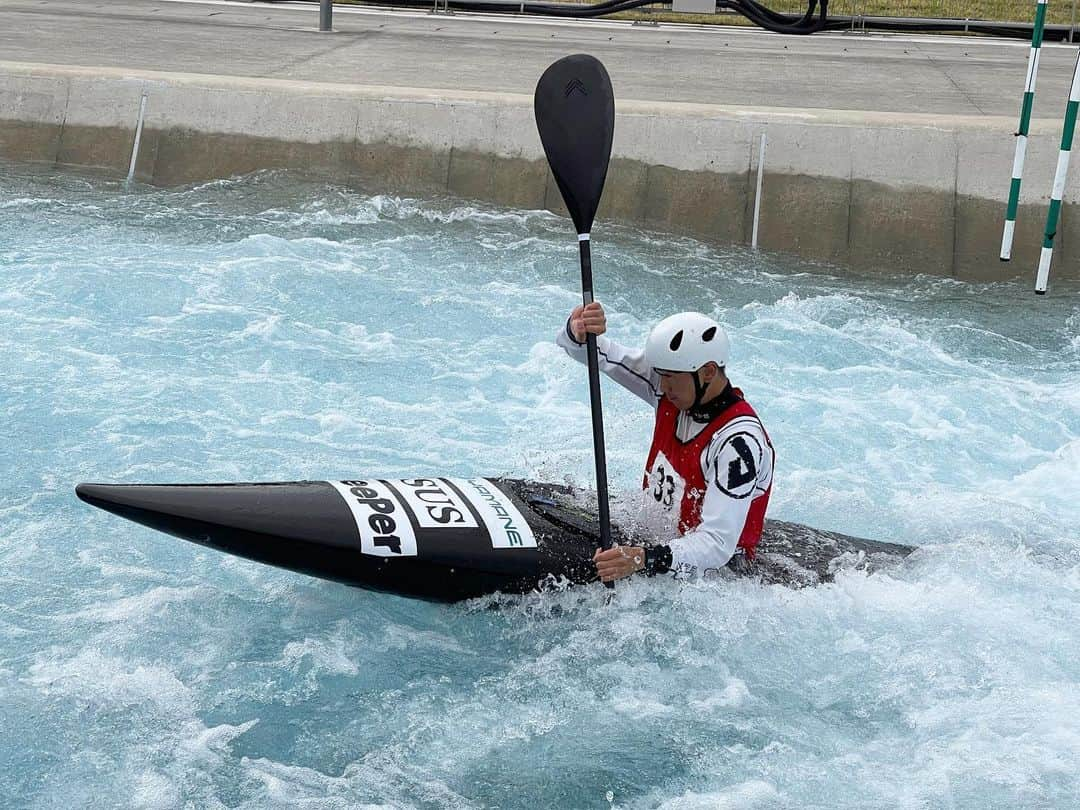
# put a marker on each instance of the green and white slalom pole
(1022, 132)
(1060, 176)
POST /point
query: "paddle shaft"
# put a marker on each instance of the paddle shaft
(575, 117)
(594, 399)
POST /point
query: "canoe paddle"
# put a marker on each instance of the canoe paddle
(575, 114)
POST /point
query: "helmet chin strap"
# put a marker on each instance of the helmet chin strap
(699, 392)
(707, 411)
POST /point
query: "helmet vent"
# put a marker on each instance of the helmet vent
(676, 341)
(708, 334)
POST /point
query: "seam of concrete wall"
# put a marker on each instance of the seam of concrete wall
(749, 189)
(850, 205)
(63, 123)
(955, 204)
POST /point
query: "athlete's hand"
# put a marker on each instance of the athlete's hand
(588, 319)
(618, 562)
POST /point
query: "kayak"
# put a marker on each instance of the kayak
(441, 539)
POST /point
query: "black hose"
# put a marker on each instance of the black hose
(758, 14)
(781, 23)
(776, 16)
(755, 12)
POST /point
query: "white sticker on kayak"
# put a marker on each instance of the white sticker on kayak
(384, 526)
(435, 504)
(390, 514)
(508, 529)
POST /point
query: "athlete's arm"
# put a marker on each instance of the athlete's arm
(738, 465)
(625, 366)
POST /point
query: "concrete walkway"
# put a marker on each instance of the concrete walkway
(714, 65)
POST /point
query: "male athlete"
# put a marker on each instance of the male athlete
(711, 463)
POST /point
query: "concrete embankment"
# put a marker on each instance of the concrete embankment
(873, 191)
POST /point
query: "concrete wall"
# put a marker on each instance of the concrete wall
(875, 192)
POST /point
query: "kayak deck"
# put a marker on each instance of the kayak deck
(441, 539)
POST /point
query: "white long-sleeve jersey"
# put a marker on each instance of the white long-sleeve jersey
(710, 545)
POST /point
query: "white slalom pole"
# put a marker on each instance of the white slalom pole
(1022, 131)
(757, 194)
(1060, 176)
(138, 137)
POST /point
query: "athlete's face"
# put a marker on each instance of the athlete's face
(678, 387)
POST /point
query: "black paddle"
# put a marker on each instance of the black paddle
(575, 113)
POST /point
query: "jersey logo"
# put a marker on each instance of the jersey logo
(737, 465)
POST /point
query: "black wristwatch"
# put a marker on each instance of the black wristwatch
(657, 560)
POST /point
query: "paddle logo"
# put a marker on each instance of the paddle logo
(575, 85)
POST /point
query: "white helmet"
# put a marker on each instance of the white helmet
(686, 342)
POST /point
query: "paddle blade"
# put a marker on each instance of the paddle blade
(575, 114)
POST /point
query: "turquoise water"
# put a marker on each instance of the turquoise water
(271, 328)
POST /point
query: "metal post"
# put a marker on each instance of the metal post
(1022, 132)
(138, 138)
(1072, 22)
(326, 15)
(757, 194)
(1059, 181)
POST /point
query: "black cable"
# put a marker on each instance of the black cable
(760, 15)
(756, 13)
(781, 23)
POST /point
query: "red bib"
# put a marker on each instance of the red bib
(674, 478)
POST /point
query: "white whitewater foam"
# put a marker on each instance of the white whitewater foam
(270, 328)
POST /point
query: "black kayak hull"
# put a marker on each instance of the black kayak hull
(440, 539)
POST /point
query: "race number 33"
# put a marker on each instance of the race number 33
(666, 485)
